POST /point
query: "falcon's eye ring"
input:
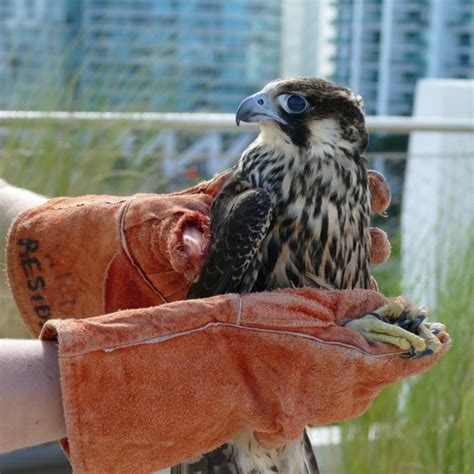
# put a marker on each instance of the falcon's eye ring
(296, 103)
(293, 103)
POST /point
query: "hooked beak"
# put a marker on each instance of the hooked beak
(257, 108)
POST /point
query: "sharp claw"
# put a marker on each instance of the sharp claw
(424, 353)
(411, 324)
(412, 355)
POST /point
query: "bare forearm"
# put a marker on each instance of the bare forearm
(13, 201)
(31, 409)
(30, 394)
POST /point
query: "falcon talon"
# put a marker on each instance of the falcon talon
(426, 332)
(426, 352)
(408, 355)
(413, 355)
(420, 318)
(412, 325)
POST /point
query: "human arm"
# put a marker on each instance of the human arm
(30, 403)
(31, 410)
(13, 201)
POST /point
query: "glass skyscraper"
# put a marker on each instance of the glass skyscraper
(143, 54)
(384, 46)
(36, 48)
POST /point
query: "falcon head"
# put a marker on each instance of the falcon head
(307, 112)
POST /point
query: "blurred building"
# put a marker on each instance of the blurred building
(383, 47)
(144, 55)
(306, 46)
(300, 37)
(208, 54)
(34, 35)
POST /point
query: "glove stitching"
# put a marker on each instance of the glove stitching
(123, 242)
(217, 325)
(87, 203)
(239, 315)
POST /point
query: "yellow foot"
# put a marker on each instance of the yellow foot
(428, 331)
(407, 330)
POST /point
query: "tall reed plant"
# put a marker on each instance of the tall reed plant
(426, 424)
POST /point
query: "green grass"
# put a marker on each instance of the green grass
(426, 424)
(65, 160)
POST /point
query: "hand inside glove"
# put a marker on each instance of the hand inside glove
(87, 256)
(182, 378)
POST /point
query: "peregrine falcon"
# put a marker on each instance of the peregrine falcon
(295, 212)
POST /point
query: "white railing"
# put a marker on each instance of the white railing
(223, 122)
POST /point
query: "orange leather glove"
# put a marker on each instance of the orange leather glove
(91, 255)
(179, 379)
(149, 388)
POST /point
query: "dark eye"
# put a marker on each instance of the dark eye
(296, 104)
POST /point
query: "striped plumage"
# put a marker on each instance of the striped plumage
(318, 238)
(294, 213)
